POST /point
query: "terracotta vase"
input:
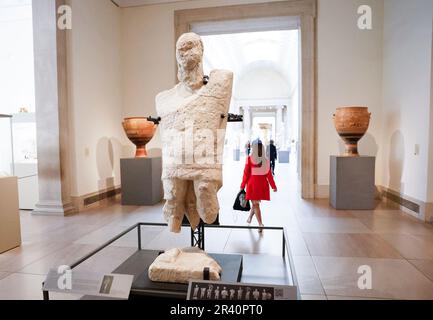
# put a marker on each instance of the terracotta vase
(352, 124)
(140, 131)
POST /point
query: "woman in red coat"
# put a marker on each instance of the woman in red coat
(257, 178)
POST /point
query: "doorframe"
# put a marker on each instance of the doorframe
(306, 11)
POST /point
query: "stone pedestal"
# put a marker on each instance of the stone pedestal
(10, 228)
(141, 181)
(236, 154)
(284, 156)
(352, 183)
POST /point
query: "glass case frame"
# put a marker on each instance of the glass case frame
(6, 117)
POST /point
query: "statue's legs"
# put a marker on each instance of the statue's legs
(196, 199)
(174, 208)
(191, 206)
(207, 200)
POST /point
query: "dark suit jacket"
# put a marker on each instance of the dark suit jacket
(271, 152)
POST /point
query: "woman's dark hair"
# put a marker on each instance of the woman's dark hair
(257, 152)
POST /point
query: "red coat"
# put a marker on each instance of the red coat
(257, 180)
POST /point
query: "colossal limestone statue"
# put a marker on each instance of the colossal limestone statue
(193, 133)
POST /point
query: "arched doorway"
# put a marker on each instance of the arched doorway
(301, 15)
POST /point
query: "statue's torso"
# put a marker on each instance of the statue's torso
(174, 99)
(196, 118)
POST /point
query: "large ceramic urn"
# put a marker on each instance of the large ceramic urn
(140, 131)
(352, 124)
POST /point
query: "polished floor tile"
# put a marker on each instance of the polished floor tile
(349, 245)
(339, 242)
(107, 233)
(391, 278)
(332, 225)
(64, 256)
(16, 259)
(381, 213)
(411, 246)
(333, 298)
(27, 287)
(167, 240)
(319, 208)
(307, 276)
(3, 275)
(425, 266)
(297, 244)
(398, 225)
(276, 270)
(141, 214)
(106, 260)
(313, 297)
(65, 234)
(250, 241)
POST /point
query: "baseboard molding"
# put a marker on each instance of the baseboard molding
(429, 212)
(97, 199)
(321, 191)
(54, 208)
(417, 208)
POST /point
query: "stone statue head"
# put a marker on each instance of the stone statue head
(189, 51)
(189, 55)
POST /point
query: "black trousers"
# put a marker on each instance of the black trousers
(273, 166)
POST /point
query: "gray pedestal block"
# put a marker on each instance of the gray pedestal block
(141, 181)
(236, 154)
(352, 183)
(284, 156)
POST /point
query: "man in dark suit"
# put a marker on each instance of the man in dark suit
(271, 152)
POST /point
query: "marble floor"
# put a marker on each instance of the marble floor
(328, 246)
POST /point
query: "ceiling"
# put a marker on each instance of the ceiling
(243, 53)
(136, 3)
(15, 11)
(14, 3)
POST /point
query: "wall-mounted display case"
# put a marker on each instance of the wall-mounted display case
(6, 146)
(19, 156)
(25, 158)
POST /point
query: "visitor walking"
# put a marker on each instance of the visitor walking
(257, 178)
(247, 148)
(271, 153)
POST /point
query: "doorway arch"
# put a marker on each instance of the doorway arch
(306, 12)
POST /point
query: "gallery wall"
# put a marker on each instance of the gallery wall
(407, 97)
(350, 64)
(102, 81)
(119, 59)
(148, 53)
(17, 72)
(95, 95)
(349, 73)
(430, 161)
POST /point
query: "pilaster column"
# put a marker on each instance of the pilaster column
(247, 122)
(289, 125)
(279, 136)
(51, 110)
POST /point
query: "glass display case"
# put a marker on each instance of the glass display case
(265, 264)
(6, 146)
(24, 132)
(18, 155)
(25, 158)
